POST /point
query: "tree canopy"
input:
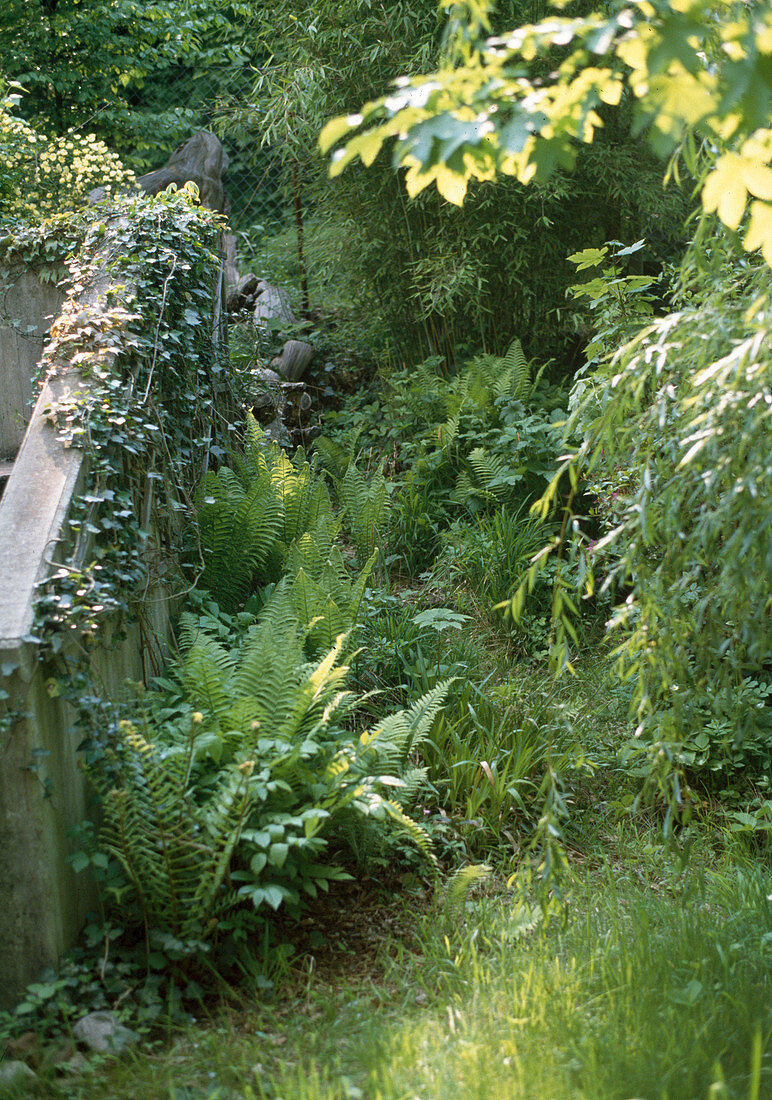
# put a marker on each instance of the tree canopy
(698, 73)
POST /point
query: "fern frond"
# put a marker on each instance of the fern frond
(515, 371)
(403, 731)
(492, 473)
(332, 457)
(416, 832)
(462, 880)
(366, 503)
(449, 431)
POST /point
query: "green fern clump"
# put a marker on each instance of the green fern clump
(239, 529)
(365, 502)
(231, 805)
(250, 515)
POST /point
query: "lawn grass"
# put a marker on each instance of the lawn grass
(648, 984)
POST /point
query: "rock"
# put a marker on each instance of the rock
(276, 432)
(293, 359)
(101, 1032)
(76, 1065)
(16, 1074)
(265, 374)
(247, 284)
(25, 1047)
(242, 294)
(201, 159)
(268, 395)
(272, 304)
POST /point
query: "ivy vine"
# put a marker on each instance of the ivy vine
(156, 404)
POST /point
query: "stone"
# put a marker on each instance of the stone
(272, 304)
(74, 1066)
(101, 1032)
(293, 359)
(265, 374)
(247, 284)
(201, 159)
(276, 432)
(15, 1074)
(230, 266)
(242, 294)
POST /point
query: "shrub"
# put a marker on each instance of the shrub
(686, 405)
(43, 176)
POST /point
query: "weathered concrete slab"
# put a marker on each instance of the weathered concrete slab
(43, 792)
(26, 311)
(33, 509)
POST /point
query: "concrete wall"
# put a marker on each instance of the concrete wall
(43, 794)
(27, 308)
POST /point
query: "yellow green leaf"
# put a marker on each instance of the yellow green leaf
(757, 179)
(451, 185)
(365, 146)
(724, 190)
(759, 233)
(335, 129)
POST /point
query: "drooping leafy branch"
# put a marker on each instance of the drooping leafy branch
(699, 73)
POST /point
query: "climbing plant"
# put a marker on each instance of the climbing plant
(153, 406)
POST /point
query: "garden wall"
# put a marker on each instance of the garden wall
(27, 308)
(43, 795)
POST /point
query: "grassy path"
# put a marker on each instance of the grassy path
(648, 985)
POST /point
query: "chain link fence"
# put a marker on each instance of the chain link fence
(218, 100)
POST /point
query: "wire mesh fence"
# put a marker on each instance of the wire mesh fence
(218, 100)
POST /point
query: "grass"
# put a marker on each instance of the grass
(649, 984)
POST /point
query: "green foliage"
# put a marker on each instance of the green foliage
(175, 853)
(483, 561)
(698, 71)
(463, 443)
(229, 796)
(319, 588)
(686, 405)
(98, 63)
(239, 532)
(270, 520)
(436, 279)
(145, 413)
(366, 504)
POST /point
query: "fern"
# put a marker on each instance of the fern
(366, 505)
(449, 431)
(332, 457)
(415, 832)
(249, 516)
(325, 597)
(237, 811)
(238, 530)
(515, 378)
(176, 853)
(461, 882)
